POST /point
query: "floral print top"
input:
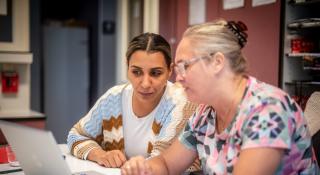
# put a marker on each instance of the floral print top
(266, 117)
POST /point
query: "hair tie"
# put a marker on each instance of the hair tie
(238, 29)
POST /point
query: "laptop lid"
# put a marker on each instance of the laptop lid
(35, 149)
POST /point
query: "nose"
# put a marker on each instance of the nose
(146, 81)
(179, 77)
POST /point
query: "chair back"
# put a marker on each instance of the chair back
(312, 113)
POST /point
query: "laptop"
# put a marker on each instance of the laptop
(37, 150)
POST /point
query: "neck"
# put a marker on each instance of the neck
(229, 101)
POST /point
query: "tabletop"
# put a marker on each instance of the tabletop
(75, 165)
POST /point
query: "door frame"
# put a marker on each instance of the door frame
(150, 24)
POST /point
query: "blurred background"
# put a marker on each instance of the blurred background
(75, 50)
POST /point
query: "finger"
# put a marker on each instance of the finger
(127, 169)
(111, 161)
(118, 161)
(147, 168)
(106, 163)
(143, 166)
(101, 163)
(140, 167)
(122, 156)
(134, 167)
(124, 170)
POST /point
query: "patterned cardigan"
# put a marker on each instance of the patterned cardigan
(102, 126)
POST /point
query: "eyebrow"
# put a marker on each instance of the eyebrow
(153, 68)
(180, 61)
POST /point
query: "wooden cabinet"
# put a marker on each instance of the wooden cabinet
(300, 60)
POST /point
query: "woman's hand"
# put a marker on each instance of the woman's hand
(136, 166)
(110, 159)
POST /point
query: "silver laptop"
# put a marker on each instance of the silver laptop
(36, 150)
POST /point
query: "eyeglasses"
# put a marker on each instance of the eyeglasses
(182, 66)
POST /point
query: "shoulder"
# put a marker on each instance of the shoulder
(174, 99)
(269, 104)
(261, 89)
(115, 91)
(112, 97)
(172, 103)
(175, 92)
(263, 94)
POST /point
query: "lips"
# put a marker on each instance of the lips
(146, 94)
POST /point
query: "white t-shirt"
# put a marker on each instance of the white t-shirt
(137, 131)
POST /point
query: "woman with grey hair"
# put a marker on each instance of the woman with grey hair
(244, 126)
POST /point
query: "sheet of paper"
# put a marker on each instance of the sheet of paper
(197, 11)
(3, 7)
(261, 2)
(232, 4)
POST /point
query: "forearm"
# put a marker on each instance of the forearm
(79, 142)
(82, 148)
(170, 162)
(158, 165)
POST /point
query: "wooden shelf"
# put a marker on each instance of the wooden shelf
(303, 54)
(306, 2)
(16, 58)
(304, 26)
(311, 68)
(303, 83)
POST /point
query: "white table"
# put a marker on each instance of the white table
(75, 165)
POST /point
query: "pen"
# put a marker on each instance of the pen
(10, 171)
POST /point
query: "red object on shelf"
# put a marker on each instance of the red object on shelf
(10, 81)
(296, 45)
(301, 45)
(3, 154)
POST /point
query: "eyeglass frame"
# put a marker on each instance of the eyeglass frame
(181, 67)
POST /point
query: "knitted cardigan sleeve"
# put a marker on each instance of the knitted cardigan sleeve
(87, 134)
(178, 111)
(171, 118)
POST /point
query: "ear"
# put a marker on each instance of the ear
(219, 61)
(171, 68)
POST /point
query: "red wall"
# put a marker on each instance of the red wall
(263, 22)
(173, 20)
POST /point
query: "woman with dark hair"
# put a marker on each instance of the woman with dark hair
(141, 117)
(244, 126)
